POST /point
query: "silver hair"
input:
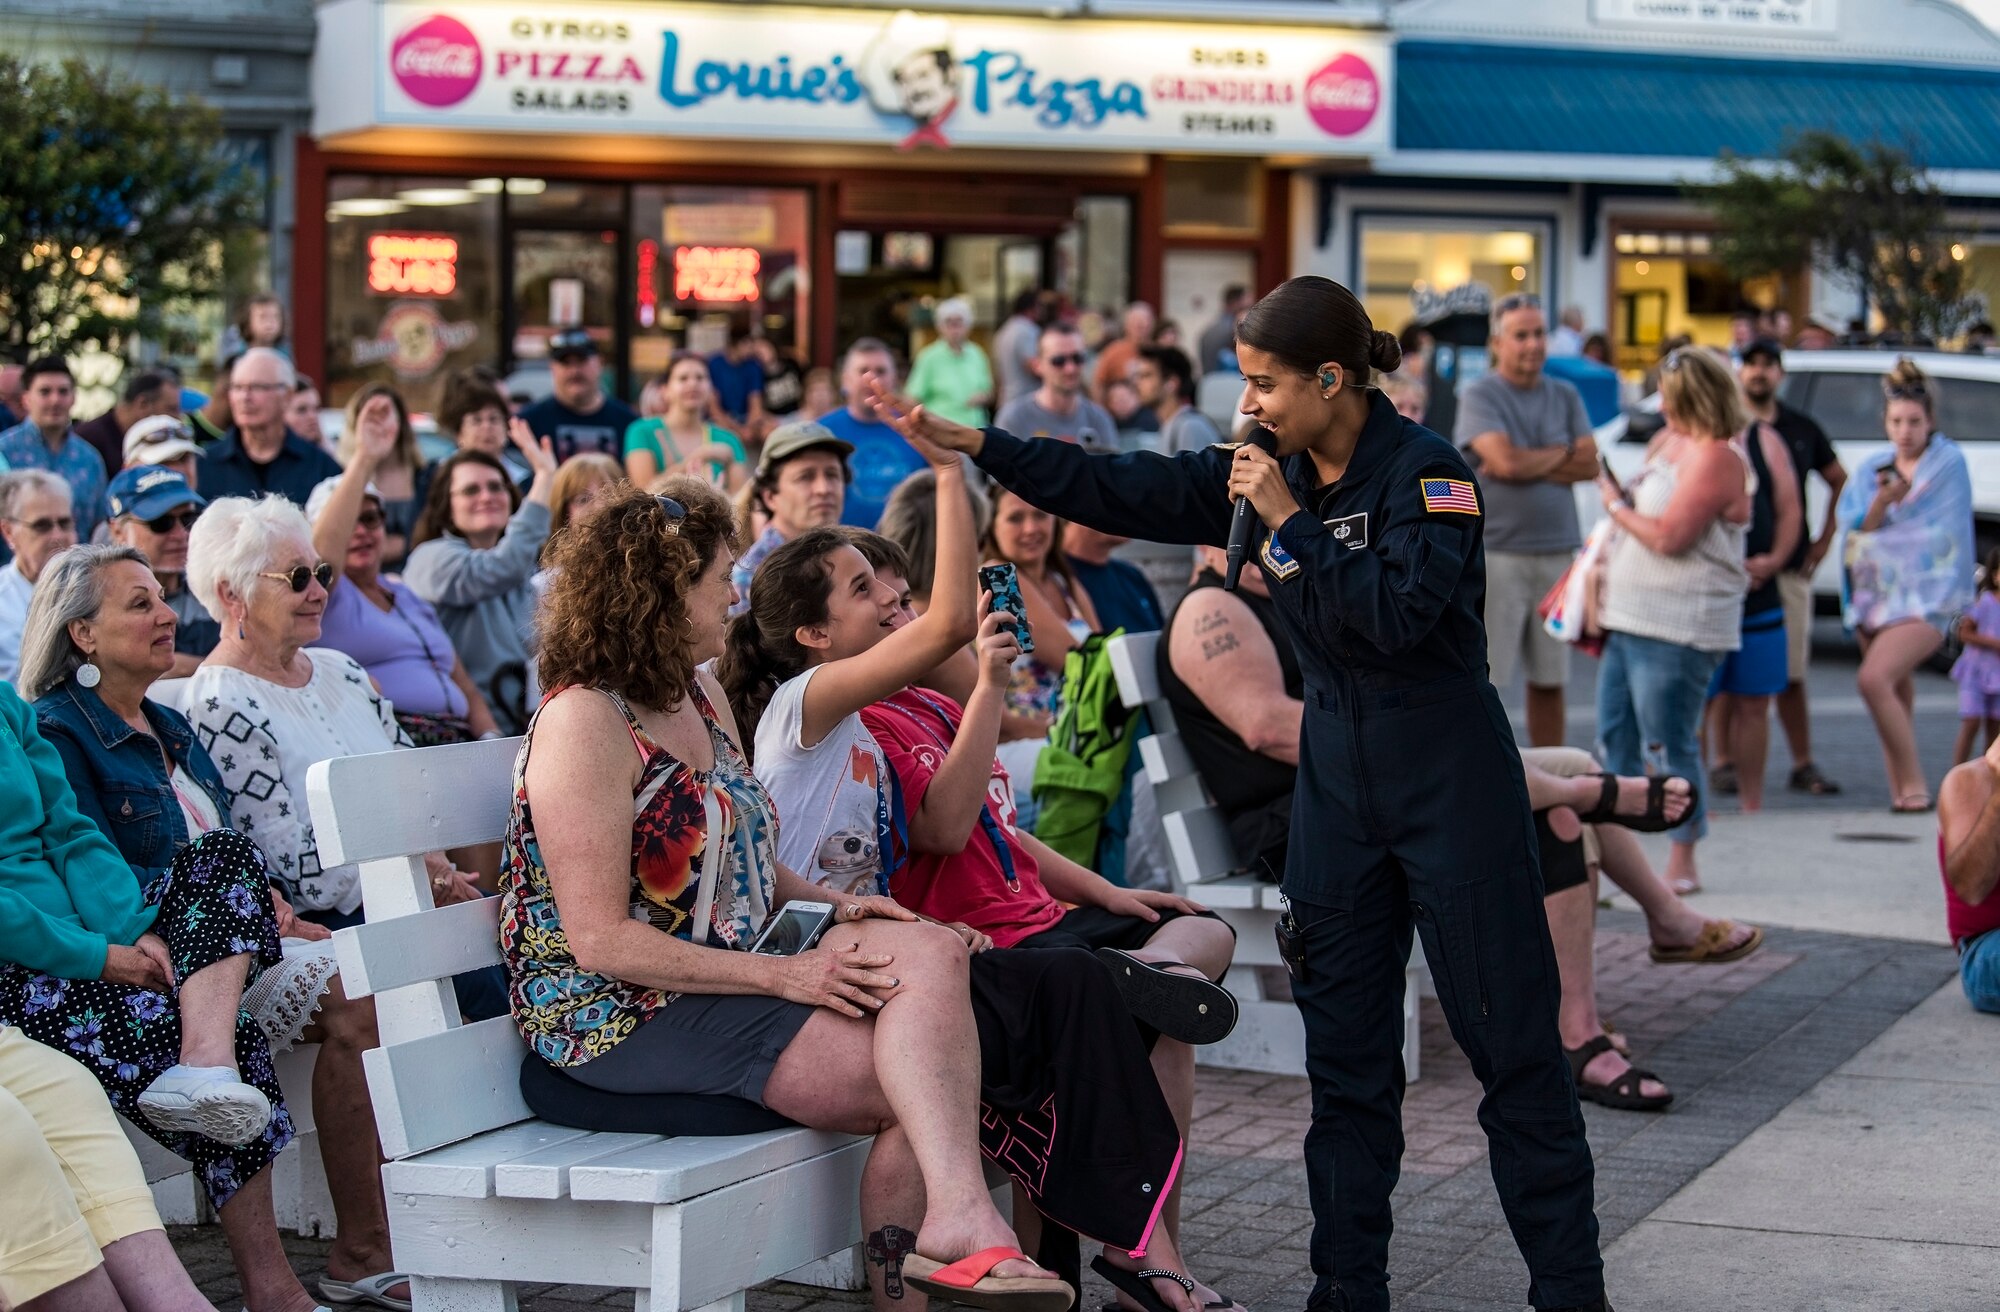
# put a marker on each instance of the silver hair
(953, 307)
(234, 538)
(21, 482)
(71, 588)
(290, 374)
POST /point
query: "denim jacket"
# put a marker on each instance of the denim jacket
(120, 782)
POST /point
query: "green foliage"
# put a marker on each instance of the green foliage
(117, 204)
(1868, 211)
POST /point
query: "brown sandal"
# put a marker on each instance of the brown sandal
(1621, 1094)
(1711, 947)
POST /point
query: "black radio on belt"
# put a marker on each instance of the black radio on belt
(1291, 944)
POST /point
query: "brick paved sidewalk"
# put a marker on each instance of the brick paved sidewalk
(1736, 1043)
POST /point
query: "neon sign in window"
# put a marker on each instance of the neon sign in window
(412, 264)
(716, 273)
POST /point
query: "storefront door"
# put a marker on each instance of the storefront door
(564, 278)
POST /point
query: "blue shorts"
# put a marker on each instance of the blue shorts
(1759, 667)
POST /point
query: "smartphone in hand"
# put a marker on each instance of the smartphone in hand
(1004, 582)
(1604, 472)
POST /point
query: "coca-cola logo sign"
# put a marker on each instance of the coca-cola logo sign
(1342, 97)
(437, 62)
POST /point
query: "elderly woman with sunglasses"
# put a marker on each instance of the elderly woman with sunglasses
(267, 702)
(476, 548)
(387, 627)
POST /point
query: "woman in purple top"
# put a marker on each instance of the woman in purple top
(388, 629)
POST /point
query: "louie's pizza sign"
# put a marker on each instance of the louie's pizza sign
(908, 79)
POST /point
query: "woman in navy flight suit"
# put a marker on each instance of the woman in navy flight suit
(1411, 809)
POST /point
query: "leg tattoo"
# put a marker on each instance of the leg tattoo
(887, 1248)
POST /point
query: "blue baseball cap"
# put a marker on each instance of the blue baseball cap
(149, 491)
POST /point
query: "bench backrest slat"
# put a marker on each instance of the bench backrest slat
(407, 802)
(1134, 662)
(446, 1087)
(405, 950)
(1200, 845)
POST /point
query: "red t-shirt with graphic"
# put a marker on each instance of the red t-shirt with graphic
(993, 884)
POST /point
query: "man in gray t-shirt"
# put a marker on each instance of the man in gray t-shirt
(1529, 439)
(1058, 408)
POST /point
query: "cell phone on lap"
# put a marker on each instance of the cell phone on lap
(793, 929)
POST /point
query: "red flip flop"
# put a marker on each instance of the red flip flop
(971, 1281)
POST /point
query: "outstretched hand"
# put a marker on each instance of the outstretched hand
(539, 453)
(936, 438)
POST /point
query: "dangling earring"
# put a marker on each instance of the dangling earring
(87, 674)
(240, 635)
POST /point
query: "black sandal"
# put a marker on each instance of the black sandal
(1654, 820)
(1621, 1094)
(1191, 1008)
(1134, 1284)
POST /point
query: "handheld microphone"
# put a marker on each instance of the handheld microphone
(1244, 518)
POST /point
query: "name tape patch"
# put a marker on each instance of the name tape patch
(1350, 531)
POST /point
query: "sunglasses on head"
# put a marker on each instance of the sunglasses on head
(676, 512)
(1074, 357)
(301, 575)
(1908, 392)
(159, 435)
(165, 523)
(1516, 301)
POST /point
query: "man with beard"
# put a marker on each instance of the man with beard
(1761, 373)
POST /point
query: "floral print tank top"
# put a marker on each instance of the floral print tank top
(569, 1015)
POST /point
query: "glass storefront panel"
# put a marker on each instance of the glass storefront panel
(1670, 284)
(706, 259)
(413, 286)
(1403, 258)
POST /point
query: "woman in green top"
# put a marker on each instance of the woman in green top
(951, 376)
(145, 986)
(682, 441)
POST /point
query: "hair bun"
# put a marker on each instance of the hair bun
(1385, 353)
(1904, 374)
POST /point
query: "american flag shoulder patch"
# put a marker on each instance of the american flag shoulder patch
(1453, 495)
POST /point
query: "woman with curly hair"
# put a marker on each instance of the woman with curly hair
(624, 927)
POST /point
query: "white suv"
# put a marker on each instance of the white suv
(1843, 391)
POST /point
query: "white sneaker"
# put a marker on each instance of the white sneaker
(211, 1101)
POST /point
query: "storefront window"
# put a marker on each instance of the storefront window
(413, 285)
(1670, 285)
(1404, 259)
(705, 259)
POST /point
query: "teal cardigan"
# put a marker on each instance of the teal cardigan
(66, 894)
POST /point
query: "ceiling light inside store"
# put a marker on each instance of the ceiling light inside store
(1957, 251)
(363, 207)
(1518, 273)
(526, 186)
(1642, 268)
(437, 196)
(485, 186)
(1626, 243)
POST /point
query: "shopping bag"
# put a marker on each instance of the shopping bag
(1569, 610)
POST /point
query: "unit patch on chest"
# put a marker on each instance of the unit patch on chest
(1350, 531)
(1277, 562)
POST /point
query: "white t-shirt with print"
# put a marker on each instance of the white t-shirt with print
(832, 798)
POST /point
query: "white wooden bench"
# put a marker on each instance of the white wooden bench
(299, 1193)
(482, 1196)
(1269, 1034)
